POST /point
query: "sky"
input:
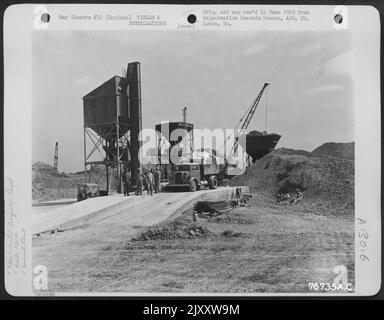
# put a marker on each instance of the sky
(216, 75)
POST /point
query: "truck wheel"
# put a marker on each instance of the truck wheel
(80, 196)
(212, 182)
(193, 185)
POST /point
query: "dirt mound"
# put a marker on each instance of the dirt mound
(181, 228)
(231, 234)
(322, 179)
(46, 194)
(339, 150)
(293, 152)
(47, 184)
(39, 165)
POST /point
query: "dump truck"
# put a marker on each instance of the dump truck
(193, 176)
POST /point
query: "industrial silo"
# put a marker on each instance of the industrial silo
(112, 123)
(170, 134)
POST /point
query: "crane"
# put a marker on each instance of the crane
(245, 123)
(56, 157)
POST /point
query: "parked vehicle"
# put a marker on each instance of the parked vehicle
(193, 176)
(89, 190)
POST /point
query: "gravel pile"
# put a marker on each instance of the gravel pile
(181, 228)
(339, 150)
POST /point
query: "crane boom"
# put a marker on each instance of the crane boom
(249, 116)
(244, 124)
(252, 110)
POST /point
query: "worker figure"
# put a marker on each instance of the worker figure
(157, 176)
(283, 197)
(236, 196)
(150, 182)
(126, 182)
(139, 179)
(299, 197)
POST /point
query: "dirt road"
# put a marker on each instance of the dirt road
(68, 251)
(50, 205)
(265, 248)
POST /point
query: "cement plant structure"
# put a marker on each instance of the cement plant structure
(112, 123)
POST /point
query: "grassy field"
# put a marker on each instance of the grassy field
(265, 248)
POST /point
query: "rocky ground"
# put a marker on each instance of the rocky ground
(265, 248)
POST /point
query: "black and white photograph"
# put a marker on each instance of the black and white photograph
(195, 162)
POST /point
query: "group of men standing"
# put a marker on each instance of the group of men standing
(151, 179)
